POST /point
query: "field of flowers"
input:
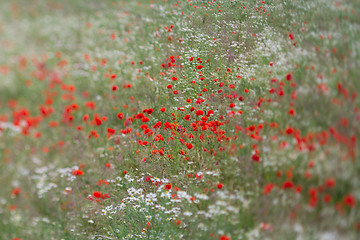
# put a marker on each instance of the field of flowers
(188, 119)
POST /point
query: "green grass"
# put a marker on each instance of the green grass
(59, 57)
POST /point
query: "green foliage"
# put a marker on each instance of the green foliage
(259, 139)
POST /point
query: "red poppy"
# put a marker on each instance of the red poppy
(330, 182)
(224, 237)
(349, 200)
(289, 130)
(167, 186)
(199, 112)
(268, 188)
(289, 77)
(105, 196)
(97, 194)
(120, 116)
(15, 192)
(327, 198)
(288, 184)
(199, 67)
(77, 172)
(256, 158)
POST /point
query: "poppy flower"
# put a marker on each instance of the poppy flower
(98, 121)
(139, 116)
(289, 130)
(349, 200)
(120, 116)
(199, 112)
(256, 158)
(327, 198)
(167, 186)
(90, 105)
(77, 172)
(330, 182)
(15, 192)
(224, 237)
(268, 188)
(289, 77)
(97, 194)
(292, 112)
(204, 118)
(199, 67)
(128, 122)
(288, 184)
(105, 196)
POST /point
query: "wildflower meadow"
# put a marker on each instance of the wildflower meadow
(179, 119)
